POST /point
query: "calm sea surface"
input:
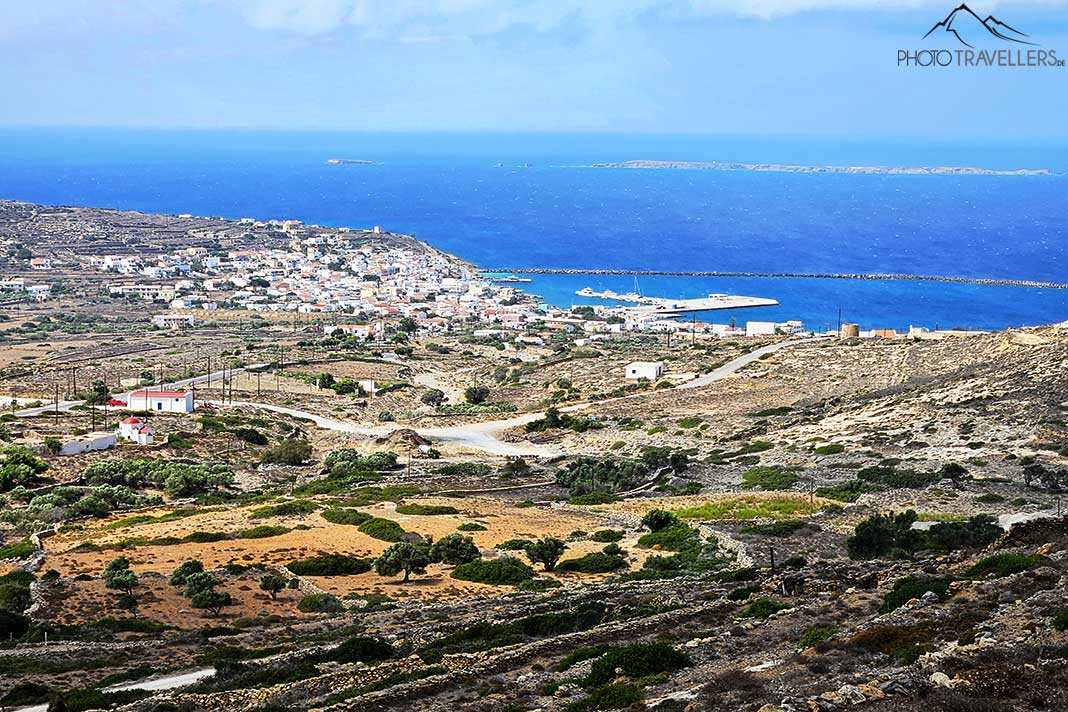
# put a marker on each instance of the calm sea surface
(555, 211)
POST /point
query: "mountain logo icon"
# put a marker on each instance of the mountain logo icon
(968, 27)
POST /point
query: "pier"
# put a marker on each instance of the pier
(1033, 284)
(659, 305)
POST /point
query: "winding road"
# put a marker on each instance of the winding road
(484, 436)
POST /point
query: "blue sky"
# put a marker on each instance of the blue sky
(755, 67)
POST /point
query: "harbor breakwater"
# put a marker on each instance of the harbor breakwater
(790, 275)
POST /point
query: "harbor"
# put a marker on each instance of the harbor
(659, 305)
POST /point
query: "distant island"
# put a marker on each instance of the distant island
(777, 168)
(345, 161)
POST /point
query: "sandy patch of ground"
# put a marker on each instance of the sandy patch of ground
(502, 521)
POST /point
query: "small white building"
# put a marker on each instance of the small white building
(650, 370)
(88, 443)
(760, 328)
(135, 431)
(172, 321)
(162, 401)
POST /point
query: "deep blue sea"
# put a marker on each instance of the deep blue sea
(557, 212)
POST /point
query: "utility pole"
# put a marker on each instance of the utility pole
(839, 322)
(57, 402)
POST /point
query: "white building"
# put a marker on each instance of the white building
(650, 370)
(135, 431)
(88, 443)
(760, 328)
(162, 401)
(172, 321)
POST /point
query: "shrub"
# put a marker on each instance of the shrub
(680, 537)
(830, 449)
(763, 608)
(505, 571)
(291, 451)
(384, 529)
(285, 509)
(273, 584)
(345, 516)
(594, 498)
(514, 545)
(117, 575)
(472, 527)
(539, 585)
(176, 479)
(769, 478)
(426, 509)
(909, 587)
(186, 569)
(657, 519)
(881, 534)
(606, 536)
(320, 603)
(19, 466)
(212, 600)
(816, 635)
(742, 593)
(361, 650)
(595, 563)
(1060, 620)
(609, 697)
(1004, 564)
(476, 395)
(587, 475)
(250, 435)
(636, 661)
(402, 556)
(546, 551)
(21, 549)
(330, 565)
(454, 549)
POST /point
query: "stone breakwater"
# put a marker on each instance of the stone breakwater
(1034, 284)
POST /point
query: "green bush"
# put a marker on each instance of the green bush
(816, 635)
(657, 519)
(514, 545)
(830, 449)
(763, 608)
(291, 451)
(595, 563)
(769, 478)
(1060, 620)
(426, 509)
(330, 565)
(909, 587)
(20, 549)
(384, 529)
(1004, 564)
(594, 498)
(320, 603)
(680, 537)
(472, 527)
(285, 509)
(636, 661)
(505, 571)
(539, 585)
(345, 516)
(609, 697)
(605, 536)
(176, 479)
(454, 549)
(361, 650)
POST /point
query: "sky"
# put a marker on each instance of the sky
(824, 68)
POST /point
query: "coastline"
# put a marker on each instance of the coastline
(852, 170)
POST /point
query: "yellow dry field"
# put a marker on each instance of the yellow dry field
(502, 520)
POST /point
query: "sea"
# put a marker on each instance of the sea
(512, 201)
